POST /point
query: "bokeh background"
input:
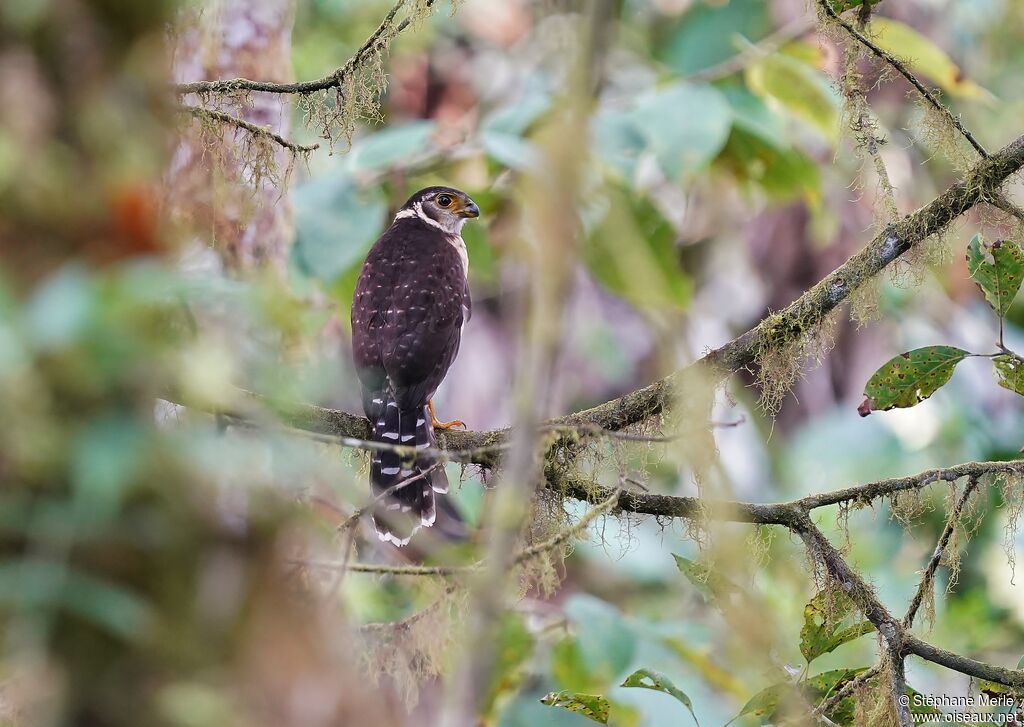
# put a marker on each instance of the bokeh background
(157, 558)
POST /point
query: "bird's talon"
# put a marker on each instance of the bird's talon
(437, 424)
(447, 425)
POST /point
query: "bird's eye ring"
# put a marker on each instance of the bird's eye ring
(444, 200)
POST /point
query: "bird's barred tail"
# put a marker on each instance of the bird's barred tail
(404, 485)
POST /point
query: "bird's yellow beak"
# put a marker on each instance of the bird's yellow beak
(469, 210)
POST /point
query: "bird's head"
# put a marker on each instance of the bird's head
(442, 207)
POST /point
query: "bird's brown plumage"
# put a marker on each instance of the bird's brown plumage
(410, 304)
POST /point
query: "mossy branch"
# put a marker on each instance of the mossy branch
(980, 184)
(204, 114)
(377, 41)
(927, 583)
(785, 513)
(899, 67)
(530, 552)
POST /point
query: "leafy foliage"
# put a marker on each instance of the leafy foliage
(924, 57)
(1000, 279)
(648, 679)
(714, 586)
(798, 87)
(592, 706)
(1009, 371)
(911, 377)
(789, 698)
(829, 622)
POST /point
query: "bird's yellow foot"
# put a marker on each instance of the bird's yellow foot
(436, 424)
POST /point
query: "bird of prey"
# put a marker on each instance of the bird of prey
(410, 304)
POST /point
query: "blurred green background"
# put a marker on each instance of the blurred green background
(152, 553)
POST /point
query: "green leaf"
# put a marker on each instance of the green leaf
(714, 587)
(336, 222)
(827, 625)
(514, 644)
(925, 58)
(751, 114)
(618, 141)
(591, 706)
(684, 126)
(780, 171)
(1009, 371)
(569, 668)
(910, 378)
(706, 34)
(995, 689)
(1020, 664)
(787, 699)
(510, 150)
(392, 147)
(517, 117)
(1000, 279)
(799, 88)
(606, 643)
(766, 701)
(38, 584)
(648, 679)
(632, 252)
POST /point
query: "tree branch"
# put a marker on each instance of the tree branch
(803, 315)
(378, 41)
(893, 61)
(673, 506)
(928, 576)
(965, 665)
(220, 117)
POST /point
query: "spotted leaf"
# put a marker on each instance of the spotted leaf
(1000, 279)
(1009, 371)
(647, 679)
(715, 588)
(790, 699)
(828, 624)
(591, 706)
(910, 378)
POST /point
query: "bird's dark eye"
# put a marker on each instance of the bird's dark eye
(444, 200)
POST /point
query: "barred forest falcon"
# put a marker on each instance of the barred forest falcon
(410, 303)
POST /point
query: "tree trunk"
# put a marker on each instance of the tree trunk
(218, 183)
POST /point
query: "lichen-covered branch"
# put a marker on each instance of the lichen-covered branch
(378, 41)
(528, 553)
(220, 117)
(928, 576)
(899, 67)
(803, 315)
(672, 506)
(965, 665)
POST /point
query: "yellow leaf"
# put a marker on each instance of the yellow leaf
(797, 86)
(924, 57)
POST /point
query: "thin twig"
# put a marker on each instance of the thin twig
(528, 553)
(601, 508)
(893, 61)
(826, 706)
(222, 118)
(407, 622)
(381, 569)
(928, 577)
(752, 52)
